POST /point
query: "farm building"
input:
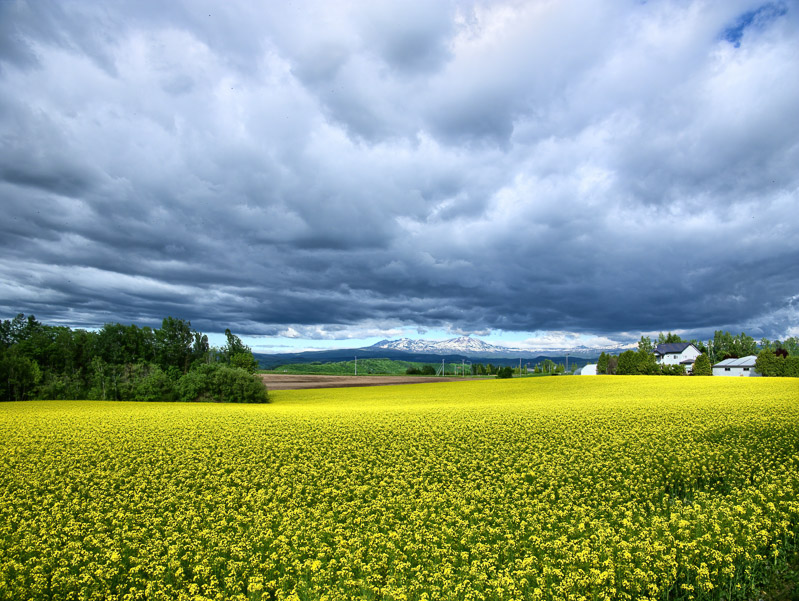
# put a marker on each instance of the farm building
(586, 370)
(677, 353)
(745, 366)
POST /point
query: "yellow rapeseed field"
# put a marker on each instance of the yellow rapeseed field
(545, 488)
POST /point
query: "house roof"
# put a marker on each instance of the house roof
(671, 347)
(748, 361)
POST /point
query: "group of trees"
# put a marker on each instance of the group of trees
(777, 363)
(489, 369)
(775, 358)
(548, 366)
(477, 369)
(120, 362)
(640, 362)
(424, 370)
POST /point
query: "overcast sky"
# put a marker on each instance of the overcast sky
(327, 172)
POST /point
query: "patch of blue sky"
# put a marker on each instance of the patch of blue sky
(759, 18)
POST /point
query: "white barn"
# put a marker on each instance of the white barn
(677, 353)
(587, 370)
(745, 366)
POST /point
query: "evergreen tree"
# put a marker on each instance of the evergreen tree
(702, 366)
(602, 363)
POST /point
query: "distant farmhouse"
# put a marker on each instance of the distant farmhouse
(586, 370)
(745, 366)
(677, 353)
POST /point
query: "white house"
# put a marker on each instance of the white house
(677, 353)
(745, 366)
(587, 370)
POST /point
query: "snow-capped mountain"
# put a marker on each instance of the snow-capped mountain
(474, 347)
(464, 345)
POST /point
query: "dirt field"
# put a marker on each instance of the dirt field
(294, 382)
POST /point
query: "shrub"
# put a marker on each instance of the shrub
(505, 372)
(672, 370)
(413, 371)
(147, 382)
(245, 361)
(222, 384)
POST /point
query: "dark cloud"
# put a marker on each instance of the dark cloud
(313, 171)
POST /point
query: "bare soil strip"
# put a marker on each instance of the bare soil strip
(295, 382)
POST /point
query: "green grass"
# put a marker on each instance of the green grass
(387, 367)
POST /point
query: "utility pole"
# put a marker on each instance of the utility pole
(463, 367)
(520, 367)
(567, 362)
(356, 365)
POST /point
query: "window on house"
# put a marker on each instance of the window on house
(726, 369)
(746, 369)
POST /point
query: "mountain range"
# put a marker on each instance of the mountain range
(455, 350)
(474, 347)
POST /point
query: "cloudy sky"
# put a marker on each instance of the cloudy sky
(331, 173)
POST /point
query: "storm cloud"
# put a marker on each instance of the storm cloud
(315, 167)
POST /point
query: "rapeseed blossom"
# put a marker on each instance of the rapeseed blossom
(557, 488)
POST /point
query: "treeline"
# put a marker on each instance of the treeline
(774, 357)
(548, 366)
(458, 369)
(124, 363)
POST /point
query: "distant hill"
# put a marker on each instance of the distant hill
(270, 361)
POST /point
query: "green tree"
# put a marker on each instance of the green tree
(19, 376)
(647, 365)
(724, 346)
(548, 366)
(145, 382)
(769, 364)
(174, 343)
(245, 361)
(668, 338)
(701, 346)
(602, 363)
(105, 378)
(628, 363)
(645, 344)
(118, 344)
(702, 366)
(200, 349)
(505, 372)
(791, 345)
(238, 354)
